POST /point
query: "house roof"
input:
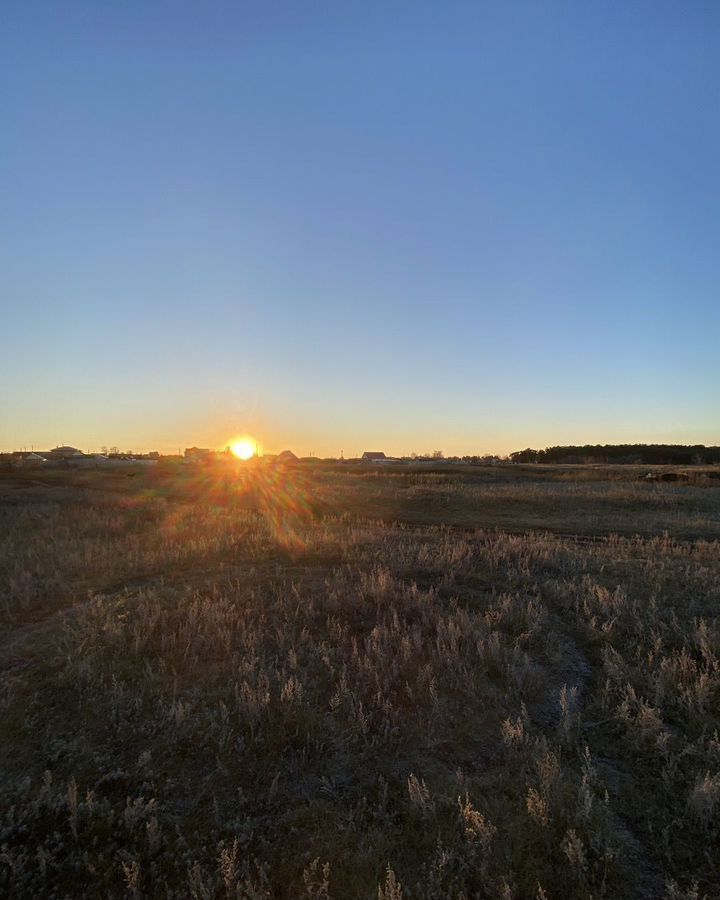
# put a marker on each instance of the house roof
(65, 452)
(373, 454)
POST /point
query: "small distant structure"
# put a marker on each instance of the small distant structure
(24, 459)
(146, 459)
(65, 453)
(62, 456)
(71, 457)
(197, 454)
(120, 459)
(490, 461)
(373, 456)
(286, 456)
(665, 476)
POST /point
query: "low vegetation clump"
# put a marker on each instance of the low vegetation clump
(337, 686)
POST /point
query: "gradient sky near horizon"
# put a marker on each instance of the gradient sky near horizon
(398, 226)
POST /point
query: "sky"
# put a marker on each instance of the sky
(395, 226)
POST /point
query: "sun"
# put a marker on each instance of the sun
(243, 449)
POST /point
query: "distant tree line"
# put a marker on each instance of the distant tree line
(645, 454)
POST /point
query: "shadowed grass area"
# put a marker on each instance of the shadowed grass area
(339, 683)
(585, 500)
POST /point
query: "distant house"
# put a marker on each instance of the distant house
(286, 456)
(64, 453)
(26, 459)
(373, 456)
(64, 456)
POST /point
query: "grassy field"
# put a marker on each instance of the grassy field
(336, 682)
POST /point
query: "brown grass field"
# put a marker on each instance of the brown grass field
(336, 682)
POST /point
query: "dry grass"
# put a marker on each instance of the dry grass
(251, 689)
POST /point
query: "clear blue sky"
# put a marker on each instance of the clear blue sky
(395, 226)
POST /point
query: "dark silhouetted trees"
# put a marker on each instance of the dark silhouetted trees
(619, 454)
